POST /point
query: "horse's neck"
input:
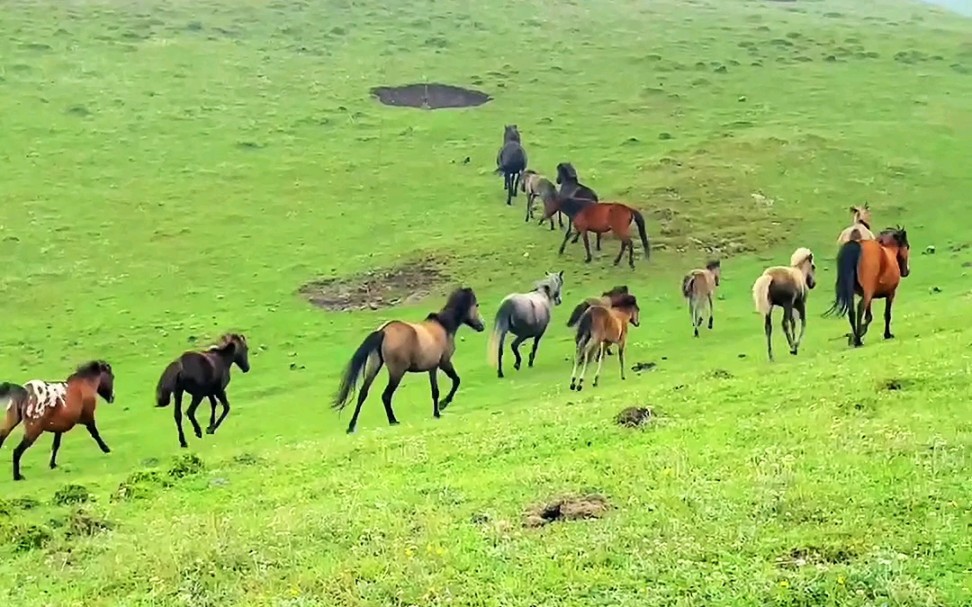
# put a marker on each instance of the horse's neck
(223, 358)
(448, 320)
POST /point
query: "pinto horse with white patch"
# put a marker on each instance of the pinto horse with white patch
(56, 407)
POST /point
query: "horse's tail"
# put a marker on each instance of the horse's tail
(640, 220)
(577, 313)
(687, 284)
(761, 294)
(848, 259)
(167, 384)
(584, 328)
(359, 360)
(500, 327)
(15, 396)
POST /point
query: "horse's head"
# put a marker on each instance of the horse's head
(629, 304)
(465, 306)
(862, 214)
(802, 259)
(897, 238)
(510, 133)
(715, 267)
(99, 372)
(566, 173)
(616, 294)
(241, 351)
(552, 284)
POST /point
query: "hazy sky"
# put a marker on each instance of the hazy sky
(959, 6)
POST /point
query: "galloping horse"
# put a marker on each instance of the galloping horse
(571, 187)
(511, 160)
(872, 269)
(788, 288)
(698, 287)
(536, 186)
(605, 217)
(56, 407)
(860, 229)
(409, 347)
(598, 328)
(203, 375)
(608, 299)
(525, 315)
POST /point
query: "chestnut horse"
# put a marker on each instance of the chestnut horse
(203, 375)
(598, 328)
(601, 218)
(872, 269)
(56, 407)
(410, 347)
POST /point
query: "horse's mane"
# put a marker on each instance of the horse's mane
(898, 233)
(618, 290)
(799, 256)
(626, 301)
(566, 169)
(713, 264)
(91, 368)
(226, 341)
(459, 301)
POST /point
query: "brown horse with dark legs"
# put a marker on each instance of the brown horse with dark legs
(598, 328)
(410, 347)
(602, 218)
(872, 269)
(608, 299)
(786, 287)
(203, 375)
(56, 407)
(698, 287)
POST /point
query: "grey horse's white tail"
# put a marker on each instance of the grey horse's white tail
(501, 326)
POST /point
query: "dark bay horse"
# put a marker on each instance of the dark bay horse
(56, 407)
(203, 375)
(602, 218)
(410, 347)
(872, 269)
(511, 161)
(571, 187)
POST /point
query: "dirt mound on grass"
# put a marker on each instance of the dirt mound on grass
(407, 283)
(567, 508)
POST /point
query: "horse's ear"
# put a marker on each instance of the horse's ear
(560, 274)
(853, 209)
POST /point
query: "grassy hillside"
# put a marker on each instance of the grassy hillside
(173, 170)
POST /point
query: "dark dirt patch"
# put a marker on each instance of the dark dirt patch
(639, 367)
(634, 417)
(719, 374)
(376, 289)
(815, 555)
(567, 508)
(892, 384)
(430, 96)
(83, 524)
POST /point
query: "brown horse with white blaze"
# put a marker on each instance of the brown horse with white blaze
(56, 407)
(872, 269)
(410, 347)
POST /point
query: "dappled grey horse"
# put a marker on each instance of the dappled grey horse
(525, 315)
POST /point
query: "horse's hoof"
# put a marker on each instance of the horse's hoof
(499, 374)
(436, 415)
(579, 388)
(349, 431)
(198, 433)
(793, 352)
(19, 478)
(106, 450)
(184, 445)
(53, 466)
(888, 336)
(587, 261)
(210, 430)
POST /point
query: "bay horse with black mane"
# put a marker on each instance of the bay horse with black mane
(511, 161)
(598, 328)
(410, 347)
(45, 406)
(203, 375)
(601, 218)
(872, 269)
(571, 187)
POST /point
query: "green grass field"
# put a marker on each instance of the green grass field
(173, 170)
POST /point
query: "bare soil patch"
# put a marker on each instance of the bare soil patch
(430, 96)
(634, 417)
(567, 508)
(407, 283)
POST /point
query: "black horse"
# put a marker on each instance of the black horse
(572, 188)
(511, 161)
(202, 374)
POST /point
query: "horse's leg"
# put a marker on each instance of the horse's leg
(221, 395)
(533, 351)
(177, 414)
(600, 362)
(578, 352)
(516, 184)
(560, 219)
(887, 316)
(858, 332)
(212, 413)
(630, 254)
(191, 414)
(515, 346)
(563, 245)
(801, 308)
(371, 372)
(587, 247)
(617, 259)
(529, 207)
(93, 431)
(787, 324)
(449, 370)
(710, 310)
(621, 358)
(597, 242)
(394, 379)
(499, 354)
(509, 189)
(868, 317)
(768, 329)
(434, 385)
(588, 354)
(31, 433)
(54, 448)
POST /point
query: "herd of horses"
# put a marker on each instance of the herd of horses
(868, 266)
